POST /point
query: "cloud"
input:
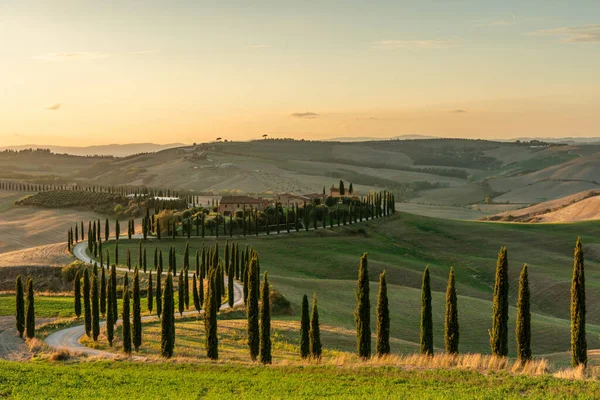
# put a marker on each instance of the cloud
(459, 111)
(414, 44)
(259, 46)
(573, 34)
(77, 55)
(54, 107)
(305, 115)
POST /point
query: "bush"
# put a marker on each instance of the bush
(68, 272)
(279, 304)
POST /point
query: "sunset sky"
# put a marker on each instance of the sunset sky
(88, 72)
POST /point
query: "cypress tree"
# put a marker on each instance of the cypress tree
(315, 331)
(195, 293)
(168, 319)
(30, 317)
(200, 292)
(76, 293)
(137, 312)
(159, 300)
(128, 260)
(150, 292)
(86, 302)
(499, 332)
(126, 321)
(304, 329)
(20, 302)
(426, 316)
(95, 308)
(186, 288)
(523, 330)
(362, 315)
(103, 292)
(252, 310)
(451, 333)
(110, 320)
(117, 252)
(210, 319)
(180, 292)
(383, 317)
(578, 340)
(230, 274)
(113, 283)
(265, 323)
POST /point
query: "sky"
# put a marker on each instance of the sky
(79, 72)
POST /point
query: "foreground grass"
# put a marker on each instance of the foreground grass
(103, 379)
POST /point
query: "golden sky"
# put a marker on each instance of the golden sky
(78, 72)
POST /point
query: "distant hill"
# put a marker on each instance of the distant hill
(117, 150)
(371, 139)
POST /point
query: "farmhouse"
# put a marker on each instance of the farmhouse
(287, 199)
(231, 204)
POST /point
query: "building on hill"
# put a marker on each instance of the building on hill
(289, 199)
(315, 196)
(231, 204)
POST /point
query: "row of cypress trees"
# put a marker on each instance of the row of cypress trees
(25, 312)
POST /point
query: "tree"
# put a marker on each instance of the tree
(195, 294)
(451, 335)
(102, 292)
(137, 312)
(383, 317)
(342, 191)
(499, 332)
(150, 293)
(315, 332)
(304, 329)
(578, 340)
(350, 189)
(168, 319)
(426, 316)
(210, 318)
(86, 302)
(265, 323)
(20, 302)
(113, 283)
(230, 296)
(186, 288)
(110, 319)
(252, 310)
(77, 293)
(523, 330)
(181, 293)
(126, 321)
(95, 308)
(362, 314)
(30, 317)
(159, 301)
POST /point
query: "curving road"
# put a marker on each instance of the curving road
(68, 339)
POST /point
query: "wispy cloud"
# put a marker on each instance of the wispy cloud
(573, 34)
(414, 44)
(77, 55)
(53, 107)
(259, 46)
(305, 115)
(459, 111)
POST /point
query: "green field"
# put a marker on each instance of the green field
(110, 380)
(325, 262)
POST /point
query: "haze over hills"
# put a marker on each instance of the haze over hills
(117, 150)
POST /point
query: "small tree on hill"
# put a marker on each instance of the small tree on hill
(523, 330)
(265, 323)
(315, 332)
(578, 339)
(499, 332)
(304, 329)
(362, 315)
(383, 317)
(30, 318)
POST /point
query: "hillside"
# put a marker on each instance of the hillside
(582, 206)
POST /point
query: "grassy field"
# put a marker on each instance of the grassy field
(327, 264)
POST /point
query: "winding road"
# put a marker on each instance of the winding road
(68, 338)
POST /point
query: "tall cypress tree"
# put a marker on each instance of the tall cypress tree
(181, 293)
(95, 308)
(252, 310)
(362, 315)
(159, 300)
(426, 339)
(137, 312)
(102, 292)
(451, 333)
(383, 317)
(210, 320)
(304, 329)
(20, 302)
(110, 320)
(186, 288)
(87, 307)
(265, 323)
(76, 293)
(578, 340)
(30, 317)
(126, 321)
(113, 283)
(195, 294)
(150, 293)
(523, 330)
(230, 275)
(315, 331)
(499, 332)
